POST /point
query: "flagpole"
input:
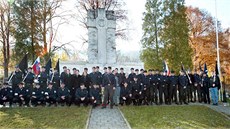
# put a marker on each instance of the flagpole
(218, 52)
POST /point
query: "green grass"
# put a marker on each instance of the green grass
(174, 117)
(41, 117)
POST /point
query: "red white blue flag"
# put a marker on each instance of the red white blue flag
(166, 68)
(36, 66)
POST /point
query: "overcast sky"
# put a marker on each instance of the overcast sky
(73, 32)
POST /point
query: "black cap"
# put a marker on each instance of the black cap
(150, 70)
(110, 67)
(64, 67)
(30, 68)
(93, 67)
(145, 71)
(142, 70)
(105, 68)
(132, 69)
(85, 68)
(136, 69)
(121, 68)
(74, 69)
(97, 67)
(21, 83)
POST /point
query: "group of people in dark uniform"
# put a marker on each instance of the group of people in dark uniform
(112, 87)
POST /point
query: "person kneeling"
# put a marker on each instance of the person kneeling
(6, 94)
(81, 96)
(21, 95)
(126, 94)
(51, 95)
(63, 95)
(37, 96)
(95, 95)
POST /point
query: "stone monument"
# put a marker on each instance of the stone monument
(101, 26)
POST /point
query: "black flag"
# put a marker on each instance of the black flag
(48, 66)
(23, 65)
(216, 69)
(57, 67)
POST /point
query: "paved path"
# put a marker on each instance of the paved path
(107, 119)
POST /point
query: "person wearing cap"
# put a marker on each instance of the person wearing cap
(17, 77)
(173, 86)
(95, 76)
(37, 95)
(190, 86)
(6, 94)
(50, 95)
(108, 84)
(126, 94)
(54, 78)
(205, 88)
(43, 78)
(197, 86)
(75, 81)
(131, 75)
(95, 95)
(63, 74)
(164, 88)
(81, 96)
(63, 95)
(29, 79)
(21, 95)
(137, 90)
(183, 82)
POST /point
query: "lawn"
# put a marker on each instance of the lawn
(41, 117)
(174, 117)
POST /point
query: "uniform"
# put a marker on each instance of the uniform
(42, 78)
(173, 83)
(81, 93)
(146, 89)
(50, 95)
(29, 80)
(85, 79)
(116, 96)
(75, 82)
(153, 88)
(96, 78)
(197, 87)
(205, 89)
(37, 95)
(6, 95)
(126, 95)
(137, 89)
(96, 94)
(56, 80)
(164, 89)
(183, 83)
(21, 95)
(16, 79)
(63, 96)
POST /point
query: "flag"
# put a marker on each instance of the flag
(48, 66)
(36, 66)
(216, 69)
(23, 65)
(57, 67)
(166, 68)
(205, 68)
(182, 68)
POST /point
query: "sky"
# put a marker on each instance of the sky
(73, 31)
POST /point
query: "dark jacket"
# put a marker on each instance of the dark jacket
(38, 92)
(95, 92)
(80, 93)
(52, 93)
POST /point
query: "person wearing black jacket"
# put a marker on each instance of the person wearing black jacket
(43, 77)
(137, 89)
(63, 95)
(146, 88)
(50, 95)
(17, 77)
(55, 79)
(85, 79)
(29, 79)
(6, 94)
(75, 82)
(81, 96)
(108, 86)
(131, 75)
(197, 86)
(183, 83)
(122, 77)
(173, 86)
(164, 88)
(205, 88)
(95, 95)
(126, 94)
(21, 95)
(37, 95)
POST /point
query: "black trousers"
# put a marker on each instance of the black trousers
(205, 95)
(20, 100)
(163, 90)
(51, 100)
(173, 94)
(153, 94)
(189, 91)
(64, 101)
(127, 101)
(108, 94)
(34, 101)
(137, 98)
(146, 95)
(78, 101)
(8, 99)
(183, 94)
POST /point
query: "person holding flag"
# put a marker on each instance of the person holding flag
(29, 79)
(42, 78)
(16, 77)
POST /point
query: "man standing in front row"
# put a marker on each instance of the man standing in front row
(108, 84)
